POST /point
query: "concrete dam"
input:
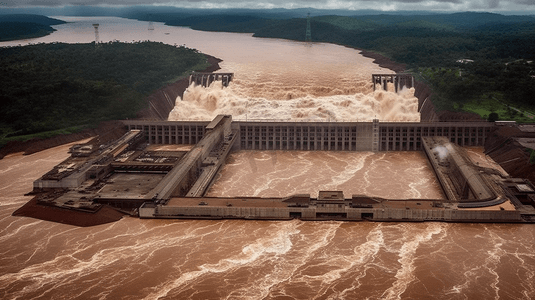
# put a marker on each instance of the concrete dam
(138, 174)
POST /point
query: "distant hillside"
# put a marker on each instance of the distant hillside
(421, 40)
(24, 26)
(11, 31)
(416, 40)
(27, 18)
(226, 23)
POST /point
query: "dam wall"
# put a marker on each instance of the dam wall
(325, 136)
(345, 213)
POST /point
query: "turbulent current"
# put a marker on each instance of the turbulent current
(234, 259)
(392, 175)
(303, 85)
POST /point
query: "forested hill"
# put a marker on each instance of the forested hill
(27, 18)
(47, 87)
(416, 42)
(24, 26)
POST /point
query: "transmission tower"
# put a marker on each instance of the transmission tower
(308, 37)
(151, 24)
(96, 33)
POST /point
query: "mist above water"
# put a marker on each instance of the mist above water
(299, 103)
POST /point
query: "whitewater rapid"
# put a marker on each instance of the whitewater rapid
(298, 82)
(312, 104)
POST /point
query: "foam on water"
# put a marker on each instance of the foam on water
(201, 103)
(293, 87)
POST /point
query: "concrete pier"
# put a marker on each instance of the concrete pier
(398, 80)
(205, 79)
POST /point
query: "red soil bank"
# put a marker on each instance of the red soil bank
(104, 215)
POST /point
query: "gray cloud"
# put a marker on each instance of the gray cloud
(454, 5)
(44, 3)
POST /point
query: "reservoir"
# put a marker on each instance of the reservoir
(235, 259)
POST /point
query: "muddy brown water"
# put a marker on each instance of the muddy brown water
(234, 259)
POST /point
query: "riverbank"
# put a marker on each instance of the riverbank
(383, 61)
(161, 102)
(158, 107)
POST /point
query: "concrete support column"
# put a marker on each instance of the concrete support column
(336, 138)
(387, 139)
(189, 134)
(253, 146)
(375, 135)
(328, 138)
(301, 138)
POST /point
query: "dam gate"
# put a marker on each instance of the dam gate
(320, 136)
(398, 80)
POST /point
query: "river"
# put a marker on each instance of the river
(233, 259)
(274, 79)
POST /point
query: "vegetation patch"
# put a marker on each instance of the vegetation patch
(25, 26)
(51, 87)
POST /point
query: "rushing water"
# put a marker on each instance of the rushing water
(171, 259)
(233, 259)
(391, 175)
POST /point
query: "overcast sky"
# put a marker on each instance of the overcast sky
(438, 5)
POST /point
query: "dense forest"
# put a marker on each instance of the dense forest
(48, 87)
(24, 26)
(479, 62)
